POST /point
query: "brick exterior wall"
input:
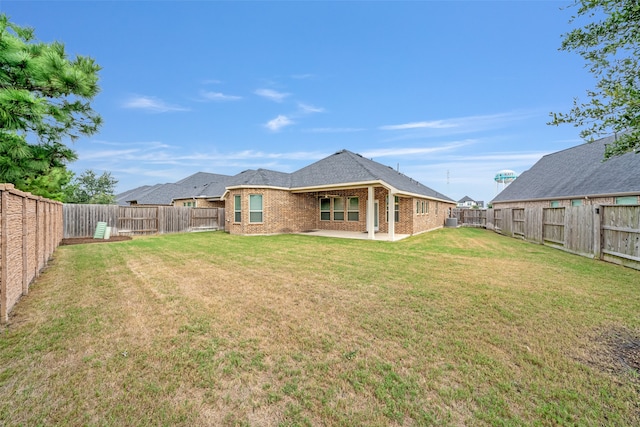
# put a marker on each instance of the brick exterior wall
(562, 202)
(30, 230)
(287, 212)
(199, 203)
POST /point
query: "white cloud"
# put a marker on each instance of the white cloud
(217, 96)
(437, 124)
(469, 123)
(308, 109)
(302, 76)
(416, 151)
(272, 94)
(334, 130)
(278, 123)
(152, 104)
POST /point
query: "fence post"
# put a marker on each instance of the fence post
(597, 231)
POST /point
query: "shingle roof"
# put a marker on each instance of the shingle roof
(343, 167)
(131, 195)
(466, 199)
(261, 177)
(201, 179)
(348, 167)
(576, 172)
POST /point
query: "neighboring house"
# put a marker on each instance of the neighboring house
(198, 190)
(576, 176)
(468, 203)
(344, 191)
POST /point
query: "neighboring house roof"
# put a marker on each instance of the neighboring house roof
(202, 179)
(132, 195)
(161, 195)
(466, 199)
(575, 173)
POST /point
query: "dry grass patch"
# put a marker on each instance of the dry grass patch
(457, 326)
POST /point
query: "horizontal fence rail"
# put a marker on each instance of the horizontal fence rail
(82, 220)
(606, 232)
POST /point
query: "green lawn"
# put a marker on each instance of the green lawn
(453, 327)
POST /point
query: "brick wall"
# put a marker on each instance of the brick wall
(30, 230)
(198, 203)
(286, 212)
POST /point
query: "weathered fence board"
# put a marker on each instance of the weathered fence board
(81, 220)
(621, 235)
(608, 232)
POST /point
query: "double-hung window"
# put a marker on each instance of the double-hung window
(255, 208)
(338, 209)
(237, 208)
(325, 209)
(396, 209)
(353, 213)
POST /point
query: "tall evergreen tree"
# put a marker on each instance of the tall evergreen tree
(610, 44)
(44, 98)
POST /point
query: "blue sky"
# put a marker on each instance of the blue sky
(448, 92)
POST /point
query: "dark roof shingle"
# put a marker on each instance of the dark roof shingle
(576, 172)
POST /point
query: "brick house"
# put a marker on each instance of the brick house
(343, 192)
(574, 177)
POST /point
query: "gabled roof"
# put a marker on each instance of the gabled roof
(346, 167)
(575, 173)
(341, 168)
(160, 195)
(132, 195)
(260, 177)
(201, 179)
(466, 199)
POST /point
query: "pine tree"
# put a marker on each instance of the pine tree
(44, 98)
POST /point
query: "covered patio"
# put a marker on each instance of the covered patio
(383, 237)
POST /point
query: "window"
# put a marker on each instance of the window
(396, 209)
(576, 202)
(437, 205)
(255, 208)
(417, 207)
(423, 207)
(353, 213)
(427, 211)
(338, 209)
(555, 204)
(237, 209)
(627, 200)
(325, 209)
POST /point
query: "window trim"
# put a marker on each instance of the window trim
(351, 212)
(325, 211)
(253, 211)
(337, 211)
(237, 208)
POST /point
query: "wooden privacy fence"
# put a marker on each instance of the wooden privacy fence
(30, 230)
(471, 217)
(81, 220)
(607, 232)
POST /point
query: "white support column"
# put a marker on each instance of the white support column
(370, 207)
(391, 209)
